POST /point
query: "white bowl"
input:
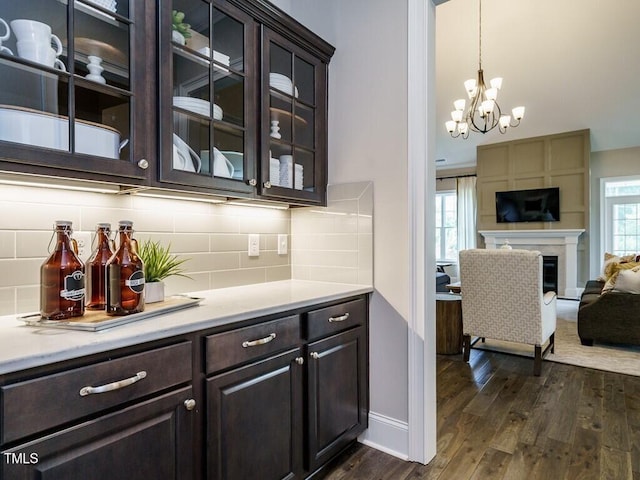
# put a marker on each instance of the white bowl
(33, 127)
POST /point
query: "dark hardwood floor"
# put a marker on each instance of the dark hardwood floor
(497, 421)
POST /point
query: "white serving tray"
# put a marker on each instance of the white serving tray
(96, 320)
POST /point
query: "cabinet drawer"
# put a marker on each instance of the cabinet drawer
(36, 405)
(336, 318)
(227, 349)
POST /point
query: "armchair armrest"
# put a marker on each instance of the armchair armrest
(548, 297)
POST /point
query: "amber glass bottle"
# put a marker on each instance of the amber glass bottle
(62, 282)
(97, 268)
(125, 275)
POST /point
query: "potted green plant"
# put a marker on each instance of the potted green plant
(159, 264)
(180, 30)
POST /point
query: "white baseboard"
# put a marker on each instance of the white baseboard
(387, 435)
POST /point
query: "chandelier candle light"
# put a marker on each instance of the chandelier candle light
(484, 113)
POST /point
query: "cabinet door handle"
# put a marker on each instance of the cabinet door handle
(300, 360)
(190, 404)
(253, 182)
(341, 318)
(314, 355)
(267, 184)
(84, 391)
(260, 341)
(143, 163)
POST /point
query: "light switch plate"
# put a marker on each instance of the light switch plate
(84, 244)
(254, 245)
(282, 244)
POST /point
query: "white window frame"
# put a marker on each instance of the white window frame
(606, 213)
(442, 247)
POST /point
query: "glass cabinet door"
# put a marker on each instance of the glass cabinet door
(207, 88)
(68, 86)
(294, 157)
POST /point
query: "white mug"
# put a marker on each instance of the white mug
(7, 34)
(30, 30)
(5, 37)
(40, 53)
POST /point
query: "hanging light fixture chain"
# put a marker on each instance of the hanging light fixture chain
(480, 34)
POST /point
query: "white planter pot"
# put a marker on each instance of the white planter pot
(153, 292)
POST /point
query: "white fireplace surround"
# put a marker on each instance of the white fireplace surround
(561, 243)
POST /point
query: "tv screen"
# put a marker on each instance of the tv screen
(536, 205)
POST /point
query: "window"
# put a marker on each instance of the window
(622, 216)
(446, 226)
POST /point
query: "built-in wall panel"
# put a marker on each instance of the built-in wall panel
(560, 160)
(527, 157)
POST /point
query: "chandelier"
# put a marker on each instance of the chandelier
(483, 113)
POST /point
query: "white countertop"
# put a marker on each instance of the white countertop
(23, 347)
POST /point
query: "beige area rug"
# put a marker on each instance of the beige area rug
(612, 358)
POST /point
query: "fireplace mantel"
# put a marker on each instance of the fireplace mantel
(545, 240)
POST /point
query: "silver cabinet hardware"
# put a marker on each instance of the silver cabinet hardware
(341, 318)
(267, 184)
(300, 360)
(314, 355)
(261, 341)
(84, 391)
(253, 182)
(190, 404)
(143, 163)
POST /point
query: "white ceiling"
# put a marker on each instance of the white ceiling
(573, 64)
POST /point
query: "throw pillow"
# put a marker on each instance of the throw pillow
(610, 258)
(628, 281)
(613, 271)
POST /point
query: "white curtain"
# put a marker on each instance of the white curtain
(467, 206)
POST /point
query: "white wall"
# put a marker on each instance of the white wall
(368, 141)
(609, 163)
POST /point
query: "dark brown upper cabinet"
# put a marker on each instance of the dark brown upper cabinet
(264, 133)
(74, 95)
(231, 102)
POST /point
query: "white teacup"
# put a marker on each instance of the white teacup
(7, 34)
(30, 30)
(40, 53)
(4, 37)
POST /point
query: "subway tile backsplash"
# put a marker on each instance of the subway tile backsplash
(327, 244)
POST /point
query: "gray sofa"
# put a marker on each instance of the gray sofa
(610, 318)
(442, 280)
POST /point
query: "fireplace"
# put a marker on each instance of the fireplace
(562, 244)
(549, 273)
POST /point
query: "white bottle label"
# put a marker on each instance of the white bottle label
(136, 281)
(73, 286)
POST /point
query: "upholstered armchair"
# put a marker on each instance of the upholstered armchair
(502, 299)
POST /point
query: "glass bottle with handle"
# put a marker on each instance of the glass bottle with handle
(125, 275)
(62, 278)
(97, 268)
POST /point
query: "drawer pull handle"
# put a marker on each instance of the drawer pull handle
(84, 391)
(261, 341)
(341, 318)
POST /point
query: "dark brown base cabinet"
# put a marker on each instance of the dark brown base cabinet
(276, 398)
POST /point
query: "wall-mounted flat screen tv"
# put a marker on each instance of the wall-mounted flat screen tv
(536, 205)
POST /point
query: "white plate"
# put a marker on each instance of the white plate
(33, 127)
(199, 106)
(184, 158)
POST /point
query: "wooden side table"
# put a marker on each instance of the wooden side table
(448, 323)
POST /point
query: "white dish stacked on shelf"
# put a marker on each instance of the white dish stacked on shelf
(197, 105)
(282, 83)
(108, 4)
(274, 171)
(286, 171)
(299, 172)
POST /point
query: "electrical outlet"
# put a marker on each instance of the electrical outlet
(254, 245)
(282, 244)
(84, 244)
